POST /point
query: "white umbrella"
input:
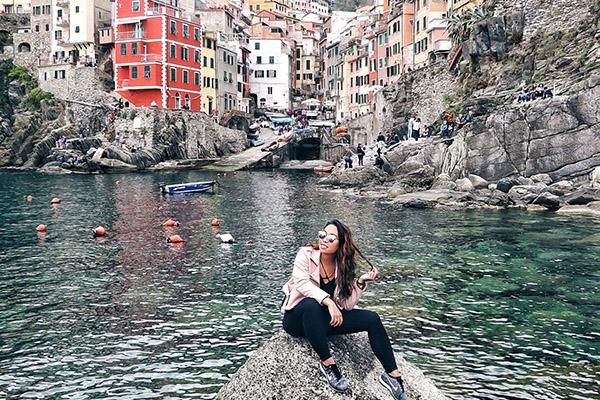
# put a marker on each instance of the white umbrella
(329, 103)
(311, 102)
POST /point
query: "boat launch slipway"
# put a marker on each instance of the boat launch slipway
(190, 187)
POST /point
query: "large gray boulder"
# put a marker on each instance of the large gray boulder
(287, 368)
(464, 185)
(478, 182)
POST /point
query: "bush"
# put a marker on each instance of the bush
(35, 97)
(20, 74)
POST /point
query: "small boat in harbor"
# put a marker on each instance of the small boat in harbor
(190, 187)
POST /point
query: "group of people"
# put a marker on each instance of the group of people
(541, 92)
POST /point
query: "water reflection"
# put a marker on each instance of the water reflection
(491, 304)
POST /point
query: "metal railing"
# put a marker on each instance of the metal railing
(130, 35)
(62, 3)
(62, 22)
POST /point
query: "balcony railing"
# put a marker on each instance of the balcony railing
(140, 83)
(151, 58)
(131, 35)
(437, 24)
(62, 22)
(62, 3)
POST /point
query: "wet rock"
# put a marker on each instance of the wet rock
(591, 209)
(548, 200)
(561, 188)
(443, 181)
(478, 182)
(464, 185)
(399, 188)
(287, 368)
(583, 196)
(504, 185)
(115, 166)
(525, 181)
(595, 178)
(492, 186)
(543, 178)
(355, 177)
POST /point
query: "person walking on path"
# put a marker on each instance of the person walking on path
(360, 152)
(320, 298)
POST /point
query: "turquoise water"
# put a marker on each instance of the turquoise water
(490, 304)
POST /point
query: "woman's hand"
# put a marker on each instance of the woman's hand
(336, 315)
(369, 276)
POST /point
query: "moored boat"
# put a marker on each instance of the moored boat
(324, 169)
(190, 187)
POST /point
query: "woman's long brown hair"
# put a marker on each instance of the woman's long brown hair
(346, 258)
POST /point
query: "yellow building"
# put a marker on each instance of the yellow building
(209, 73)
(429, 28)
(278, 6)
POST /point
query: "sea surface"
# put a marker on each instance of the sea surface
(489, 304)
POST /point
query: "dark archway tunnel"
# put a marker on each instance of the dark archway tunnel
(308, 149)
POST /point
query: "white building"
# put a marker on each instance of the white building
(16, 6)
(271, 73)
(74, 28)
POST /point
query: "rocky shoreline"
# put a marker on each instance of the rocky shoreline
(536, 193)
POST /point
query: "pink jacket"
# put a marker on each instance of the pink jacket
(305, 283)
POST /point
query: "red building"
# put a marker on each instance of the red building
(157, 55)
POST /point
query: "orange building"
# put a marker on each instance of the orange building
(157, 55)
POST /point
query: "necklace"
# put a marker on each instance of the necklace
(326, 278)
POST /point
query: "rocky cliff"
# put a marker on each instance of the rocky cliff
(287, 368)
(504, 55)
(87, 134)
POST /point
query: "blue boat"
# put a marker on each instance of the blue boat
(190, 187)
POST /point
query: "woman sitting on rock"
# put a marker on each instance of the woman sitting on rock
(320, 300)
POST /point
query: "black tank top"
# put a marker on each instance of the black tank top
(328, 287)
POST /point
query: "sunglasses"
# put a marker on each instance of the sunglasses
(327, 237)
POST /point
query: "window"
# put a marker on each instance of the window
(185, 76)
(230, 78)
(147, 71)
(257, 46)
(307, 64)
(259, 60)
(269, 90)
(298, 66)
(298, 53)
(239, 87)
(186, 31)
(37, 11)
(212, 62)
(297, 77)
(418, 26)
(173, 51)
(225, 76)
(123, 49)
(47, 27)
(134, 48)
(173, 75)
(76, 9)
(271, 59)
(196, 34)
(173, 27)
(76, 29)
(135, 6)
(184, 53)
(271, 74)
(204, 61)
(134, 72)
(259, 74)
(196, 79)
(37, 28)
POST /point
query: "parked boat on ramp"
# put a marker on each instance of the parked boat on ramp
(190, 187)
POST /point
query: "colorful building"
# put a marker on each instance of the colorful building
(400, 35)
(158, 55)
(209, 74)
(270, 80)
(277, 6)
(431, 35)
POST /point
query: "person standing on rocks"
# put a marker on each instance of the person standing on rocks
(360, 152)
(320, 300)
(411, 122)
(417, 129)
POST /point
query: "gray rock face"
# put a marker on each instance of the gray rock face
(504, 185)
(287, 368)
(443, 181)
(548, 200)
(355, 177)
(561, 188)
(583, 196)
(595, 178)
(478, 182)
(494, 36)
(541, 178)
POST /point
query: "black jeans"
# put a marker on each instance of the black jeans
(311, 320)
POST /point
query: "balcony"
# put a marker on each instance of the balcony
(131, 35)
(62, 22)
(150, 58)
(442, 45)
(436, 24)
(62, 3)
(141, 83)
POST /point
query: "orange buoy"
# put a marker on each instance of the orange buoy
(175, 239)
(99, 231)
(170, 222)
(215, 222)
(55, 200)
(41, 228)
(30, 198)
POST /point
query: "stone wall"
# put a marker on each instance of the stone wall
(79, 83)
(546, 15)
(38, 44)
(433, 89)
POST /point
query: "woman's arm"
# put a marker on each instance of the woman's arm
(301, 277)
